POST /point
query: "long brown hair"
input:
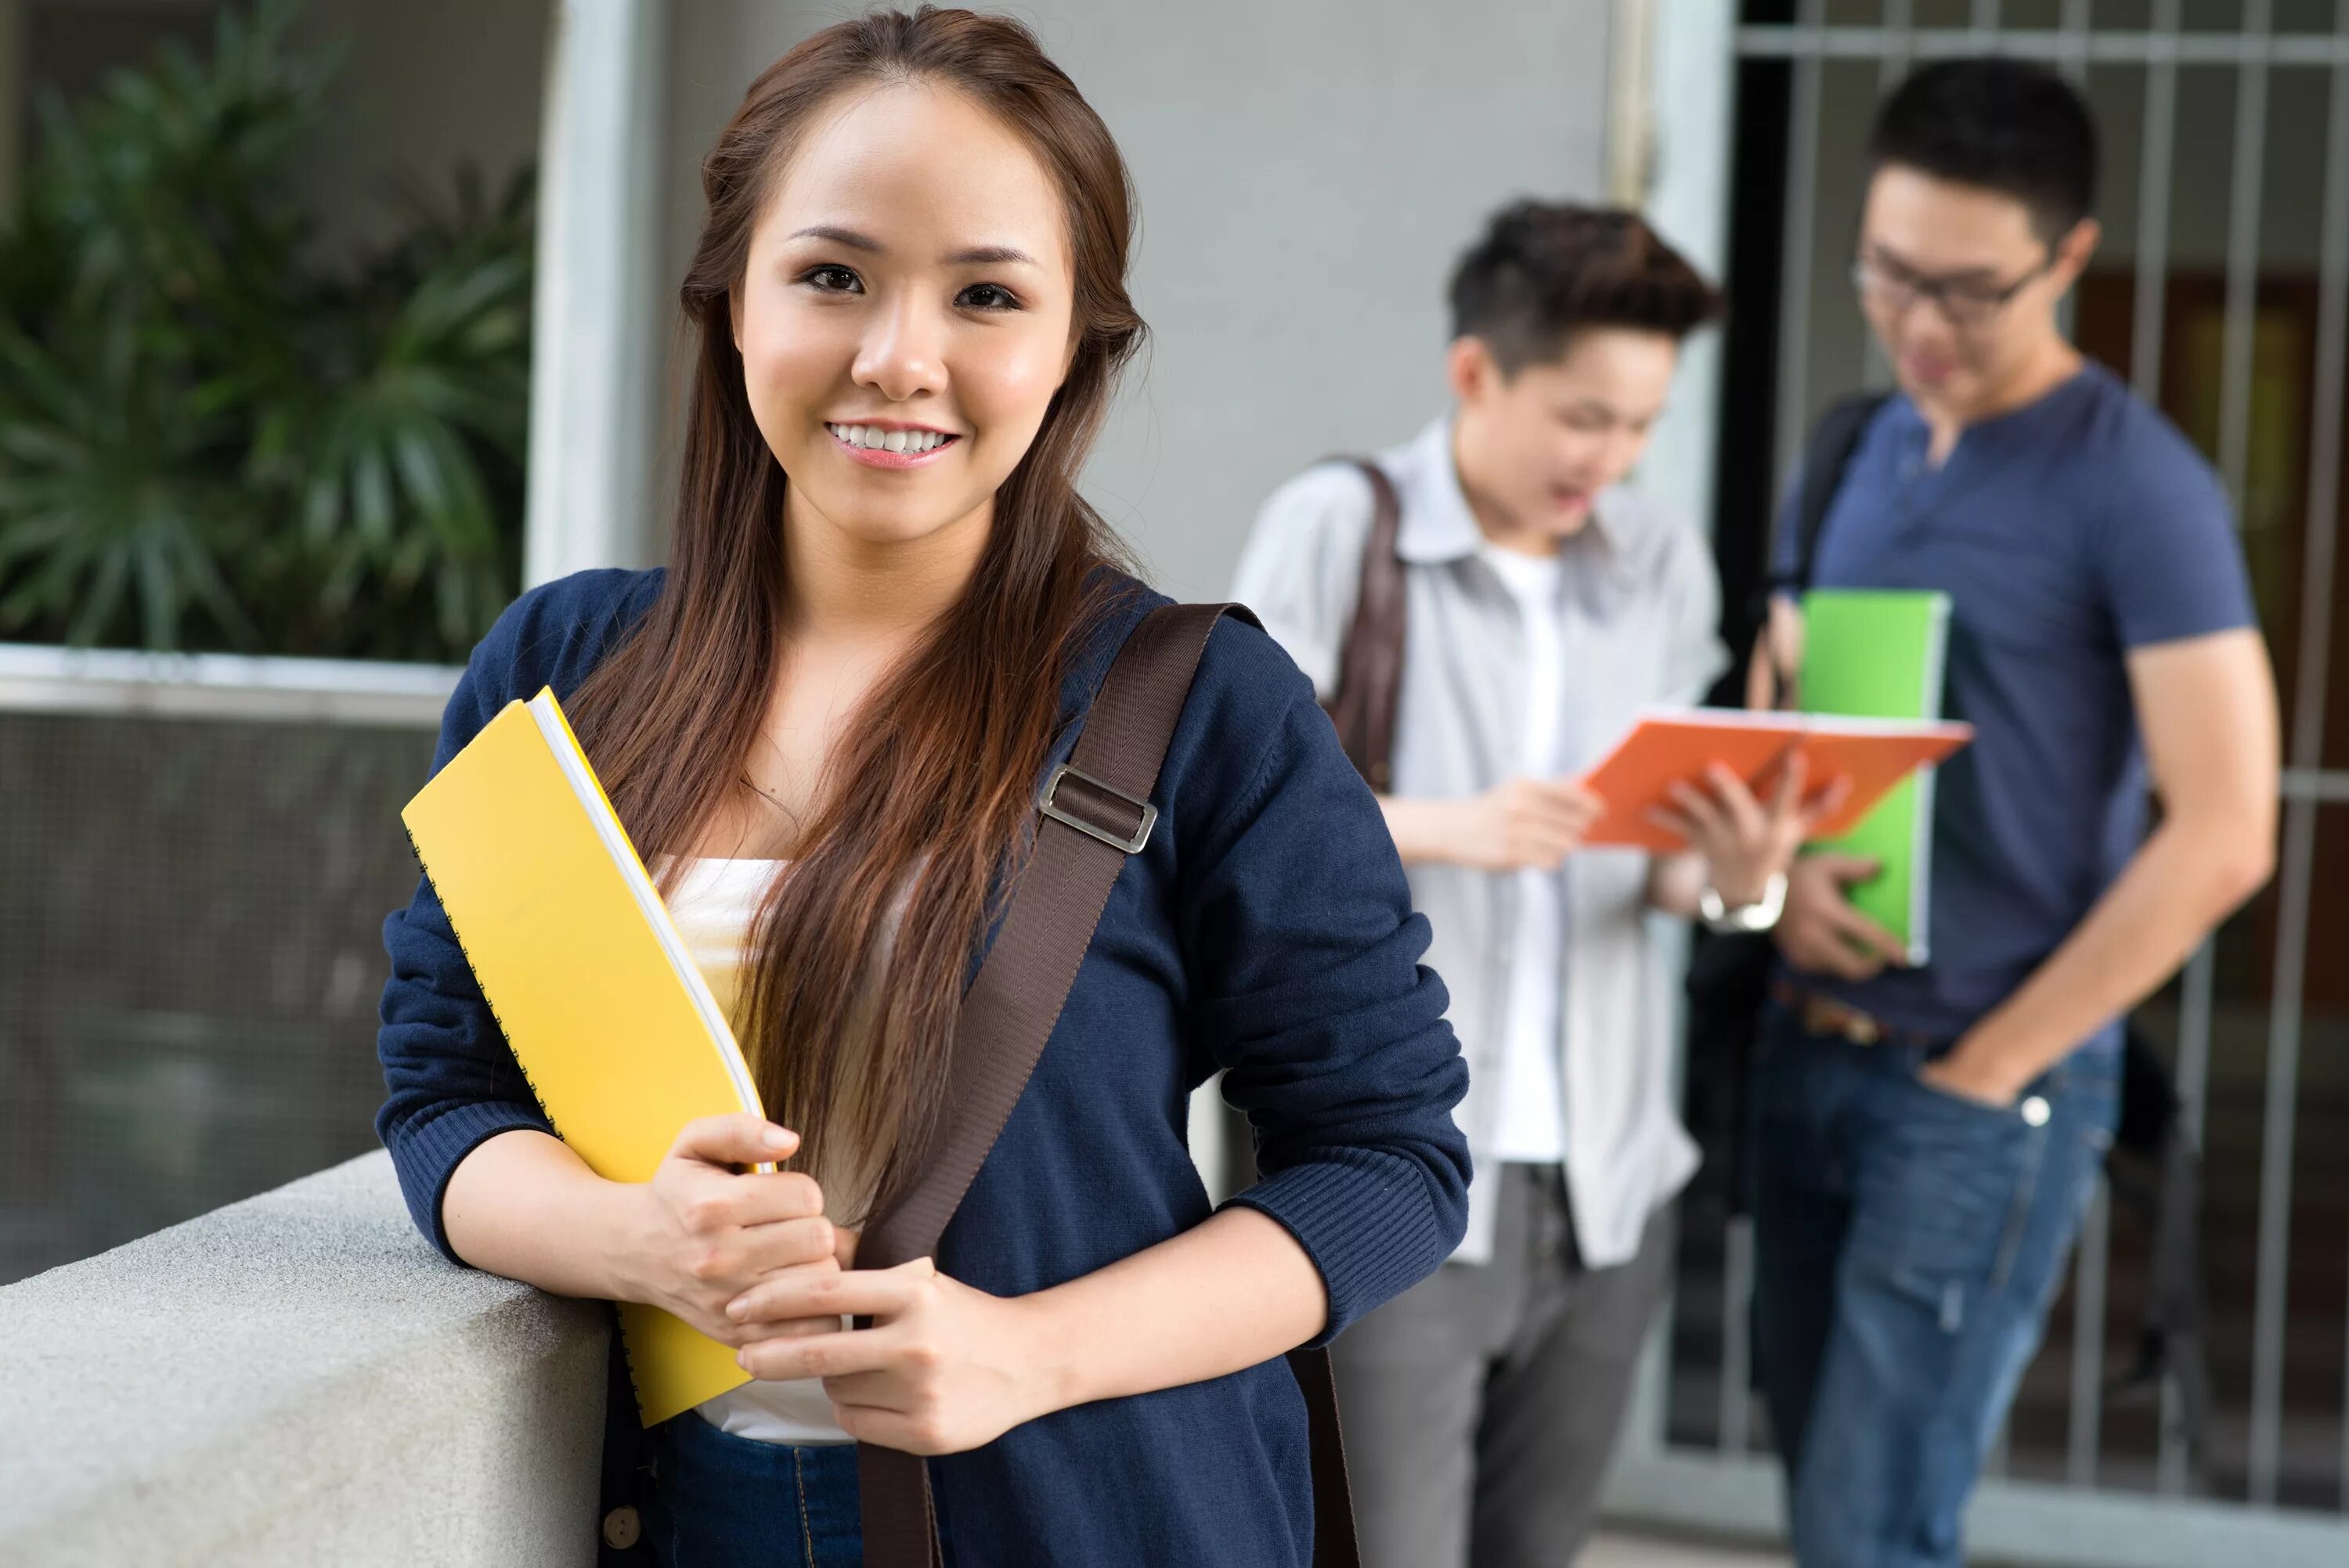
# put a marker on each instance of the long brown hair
(926, 797)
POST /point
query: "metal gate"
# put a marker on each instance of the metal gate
(2223, 294)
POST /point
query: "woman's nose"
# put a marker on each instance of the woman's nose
(903, 353)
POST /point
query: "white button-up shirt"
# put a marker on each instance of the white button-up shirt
(1639, 607)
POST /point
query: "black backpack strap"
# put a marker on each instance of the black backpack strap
(1826, 456)
(1095, 811)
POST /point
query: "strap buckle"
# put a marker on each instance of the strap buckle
(1049, 805)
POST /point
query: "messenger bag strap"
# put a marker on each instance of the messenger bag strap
(1370, 661)
(1095, 811)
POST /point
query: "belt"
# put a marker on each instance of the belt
(1822, 1015)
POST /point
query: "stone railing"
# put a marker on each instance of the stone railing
(296, 1379)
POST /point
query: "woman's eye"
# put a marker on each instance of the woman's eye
(832, 280)
(987, 296)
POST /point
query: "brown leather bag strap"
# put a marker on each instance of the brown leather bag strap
(1095, 811)
(1369, 661)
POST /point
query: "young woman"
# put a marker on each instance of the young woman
(827, 722)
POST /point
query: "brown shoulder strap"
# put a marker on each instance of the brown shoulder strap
(1096, 811)
(1370, 662)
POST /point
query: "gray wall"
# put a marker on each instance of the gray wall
(1307, 171)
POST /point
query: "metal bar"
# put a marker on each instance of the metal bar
(2090, 1264)
(2159, 140)
(1783, 41)
(38, 680)
(2193, 1070)
(1899, 21)
(2072, 27)
(2326, 417)
(2284, 1037)
(2330, 786)
(2243, 267)
(2319, 548)
(1795, 247)
(1736, 1349)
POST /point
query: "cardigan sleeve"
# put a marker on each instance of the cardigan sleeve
(1308, 990)
(451, 1079)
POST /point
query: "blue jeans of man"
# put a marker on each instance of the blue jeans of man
(1908, 1246)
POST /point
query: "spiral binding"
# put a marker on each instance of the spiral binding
(627, 1357)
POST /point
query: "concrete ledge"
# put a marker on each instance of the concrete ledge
(296, 1379)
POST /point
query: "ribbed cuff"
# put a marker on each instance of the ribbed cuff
(1365, 1218)
(427, 1153)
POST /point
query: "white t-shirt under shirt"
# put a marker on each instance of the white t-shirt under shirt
(1532, 1126)
(712, 905)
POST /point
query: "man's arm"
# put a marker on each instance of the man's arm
(2207, 708)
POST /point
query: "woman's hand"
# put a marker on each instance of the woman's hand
(944, 1368)
(1744, 842)
(702, 1232)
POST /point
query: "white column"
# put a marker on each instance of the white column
(594, 367)
(1692, 62)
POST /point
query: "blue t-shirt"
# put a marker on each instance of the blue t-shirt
(2066, 534)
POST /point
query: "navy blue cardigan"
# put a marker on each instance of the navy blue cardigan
(1266, 931)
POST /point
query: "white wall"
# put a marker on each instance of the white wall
(1307, 171)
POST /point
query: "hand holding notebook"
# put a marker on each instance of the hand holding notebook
(608, 1014)
(1675, 746)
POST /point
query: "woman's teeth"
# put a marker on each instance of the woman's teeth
(874, 439)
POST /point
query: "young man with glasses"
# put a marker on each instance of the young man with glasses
(1926, 1139)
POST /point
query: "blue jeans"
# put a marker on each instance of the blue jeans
(1908, 1243)
(718, 1501)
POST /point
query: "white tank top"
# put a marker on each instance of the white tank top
(712, 905)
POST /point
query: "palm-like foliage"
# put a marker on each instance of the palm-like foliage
(207, 438)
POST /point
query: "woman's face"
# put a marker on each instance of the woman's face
(904, 315)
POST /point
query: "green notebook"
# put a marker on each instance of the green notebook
(1878, 654)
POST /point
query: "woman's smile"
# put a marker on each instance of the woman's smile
(890, 445)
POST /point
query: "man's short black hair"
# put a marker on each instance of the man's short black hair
(1544, 271)
(2004, 125)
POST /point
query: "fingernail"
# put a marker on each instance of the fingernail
(736, 1310)
(776, 1137)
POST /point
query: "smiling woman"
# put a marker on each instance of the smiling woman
(885, 619)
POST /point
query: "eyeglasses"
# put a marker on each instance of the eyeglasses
(1965, 305)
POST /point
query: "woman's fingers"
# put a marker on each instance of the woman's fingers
(787, 1243)
(741, 1139)
(829, 1293)
(908, 1434)
(818, 1354)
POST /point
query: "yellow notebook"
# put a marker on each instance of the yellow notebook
(598, 996)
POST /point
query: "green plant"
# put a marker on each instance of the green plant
(210, 438)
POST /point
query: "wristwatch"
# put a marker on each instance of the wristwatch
(1760, 915)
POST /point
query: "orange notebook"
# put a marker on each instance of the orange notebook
(1677, 745)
